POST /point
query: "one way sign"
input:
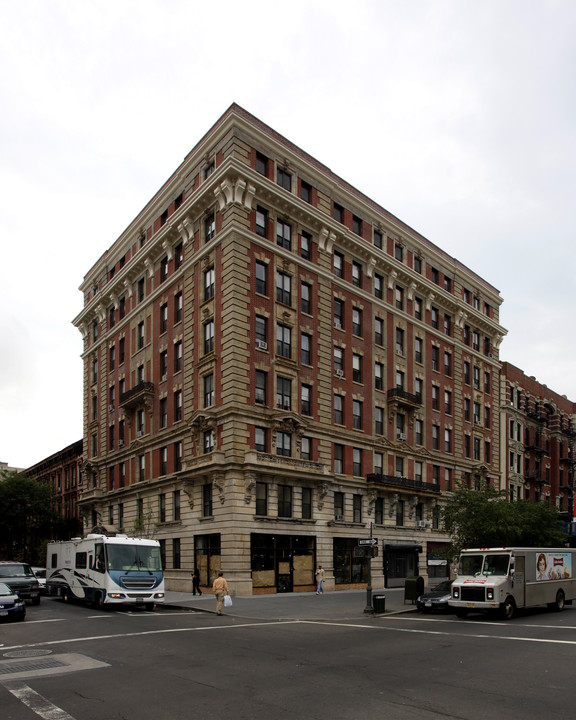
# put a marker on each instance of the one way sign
(368, 541)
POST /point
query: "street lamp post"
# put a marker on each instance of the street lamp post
(369, 555)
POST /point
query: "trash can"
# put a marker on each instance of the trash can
(379, 604)
(413, 588)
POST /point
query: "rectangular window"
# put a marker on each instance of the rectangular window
(378, 286)
(283, 341)
(357, 322)
(306, 399)
(378, 331)
(260, 387)
(357, 414)
(339, 409)
(357, 225)
(418, 304)
(305, 245)
(418, 345)
(378, 240)
(338, 313)
(261, 222)
(164, 364)
(162, 508)
(177, 456)
(306, 349)
(283, 288)
(284, 393)
(262, 164)
(434, 317)
(283, 235)
(209, 337)
(306, 503)
(400, 513)
(284, 501)
(176, 556)
(306, 448)
(209, 284)
(209, 228)
(357, 368)
(284, 444)
(178, 356)
(163, 269)
(284, 179)
(379, 376)
(208, 390)
(208, 441)
(399, 252)
(163, 453)
(338, 506)
(435, 358)
(338, 458)
(178, 307)
(338, 264)
(379, 420)
(260, 439)
(399, 297)
(305, 191)
(356, 274)
(261, 332)
(207, 500)
(447, 402)
(447, 440)
(261, 498)
(163, 412)
(419, 432)
(338, 213)
(306, 298)
(357, 508)
(357, 461)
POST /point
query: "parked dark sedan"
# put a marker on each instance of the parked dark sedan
(12, 607)
(436, 598)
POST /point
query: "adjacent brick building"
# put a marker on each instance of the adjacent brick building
(538, 441)
(63, 470)
(273, 364)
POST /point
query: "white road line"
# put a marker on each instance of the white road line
(471, 622)
(479, 636)
(145, 632)
(37, 703)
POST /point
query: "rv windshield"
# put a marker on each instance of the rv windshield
(496, 564)
(470, 564)
(134, 557)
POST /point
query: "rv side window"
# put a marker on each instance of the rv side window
(99, 563)
(54, 560)
(81, 561)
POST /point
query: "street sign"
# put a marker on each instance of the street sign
(368, 541)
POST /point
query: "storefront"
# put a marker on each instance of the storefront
(282, 563)
(207, 557)
(348, 569)
(401, 560)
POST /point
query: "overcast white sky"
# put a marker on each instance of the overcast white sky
(458, 116)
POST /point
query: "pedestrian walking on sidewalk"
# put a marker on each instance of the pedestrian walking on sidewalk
(196, 582)
(220, 588)
(320, 580)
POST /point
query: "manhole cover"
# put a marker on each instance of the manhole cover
(27, 653)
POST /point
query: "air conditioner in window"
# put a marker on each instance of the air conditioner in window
(401, 436)
(338, 517)
(110, 408)
(120, 443)
(400, 352)
(261, 345)
(139, 433)
(490, 355)
(340, 373)
(338, 324)
(164, 377)
(421, 524)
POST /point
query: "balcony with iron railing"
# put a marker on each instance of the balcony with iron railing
(403, 483)
(138, 395)
(403, 397)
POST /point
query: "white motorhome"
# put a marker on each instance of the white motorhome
(510, 578)
(106, 571)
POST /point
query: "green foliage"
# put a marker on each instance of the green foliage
(144, 524)
(28, 516)
(484, 518)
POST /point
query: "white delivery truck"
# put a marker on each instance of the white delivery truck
(509, 578)
(106, 571)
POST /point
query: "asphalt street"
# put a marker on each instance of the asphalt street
(271, 658)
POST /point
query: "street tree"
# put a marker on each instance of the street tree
(485, 518)
(28, 517)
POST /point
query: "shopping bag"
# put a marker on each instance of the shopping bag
(227, 601)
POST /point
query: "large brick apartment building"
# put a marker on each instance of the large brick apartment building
(273, 362)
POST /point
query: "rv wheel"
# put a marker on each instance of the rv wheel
(560, 601)
(508, 608)
(461, 613)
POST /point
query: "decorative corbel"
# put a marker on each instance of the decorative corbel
(218, 482)
(249, 485)
(188, 487)
(392, 279)
(322, 492)
(393, 504)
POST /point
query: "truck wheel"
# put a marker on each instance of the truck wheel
(461, 613)
(560, 601)
(64, 595)
(508, 608)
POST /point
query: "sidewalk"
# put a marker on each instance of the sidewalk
(337, 605)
